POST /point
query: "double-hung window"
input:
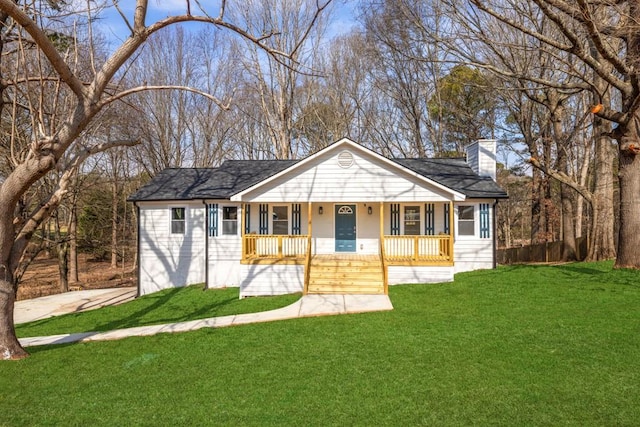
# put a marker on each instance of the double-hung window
(230, 220)
(412, 220)
(280, 220)
(178, 220)
(466, 221)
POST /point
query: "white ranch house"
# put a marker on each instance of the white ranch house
(343, 220)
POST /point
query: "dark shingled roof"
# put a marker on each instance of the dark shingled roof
(457, 175)
(234, 176)
(230, 178)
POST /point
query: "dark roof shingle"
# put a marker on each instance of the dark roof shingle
(234, 176)
(455, 174)
(230, 178)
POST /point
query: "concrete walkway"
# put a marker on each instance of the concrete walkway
(29, 310)
(307, 306)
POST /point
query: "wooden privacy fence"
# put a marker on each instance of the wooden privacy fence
(541, 252)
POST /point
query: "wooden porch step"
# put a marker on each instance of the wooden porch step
(347, 290)
(345, 263)
(350, 274)
(346, 277)
(358, 271)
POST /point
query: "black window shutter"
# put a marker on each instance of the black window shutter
(446, 219)
(295, 218)
(429, 220)
(264, 219)
(395, 219)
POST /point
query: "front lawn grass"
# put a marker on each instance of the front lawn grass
(168, 306)
(521, 345)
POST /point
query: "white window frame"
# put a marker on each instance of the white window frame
(223, 221)
(273, 221)
(473, 220)
(184, 220)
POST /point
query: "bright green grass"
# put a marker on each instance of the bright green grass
(524, 345)
(168, 306)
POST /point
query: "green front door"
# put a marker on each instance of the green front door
(345, 228)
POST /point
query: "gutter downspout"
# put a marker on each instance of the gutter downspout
(139, 268)
(206, 245)
(495, 235)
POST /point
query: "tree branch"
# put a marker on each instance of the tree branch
(219, 103)
(562, 22)
(44, 44)
(590, 24)
(563, 178)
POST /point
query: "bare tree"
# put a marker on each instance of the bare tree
(181, 129)
(297, 26)
(531, 48)
(406, 71)
(602, 37)
(50, 142)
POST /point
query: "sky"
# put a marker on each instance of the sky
(115, 29)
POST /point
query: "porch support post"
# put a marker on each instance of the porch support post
(307, 269)
(382, 228)
(206, 248)
(309, 214)
(385, 278)
(242, 229)
(451, 232)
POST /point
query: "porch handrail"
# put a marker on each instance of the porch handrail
(275, 245)
(307, 266)
(418, 248)
(385, 281)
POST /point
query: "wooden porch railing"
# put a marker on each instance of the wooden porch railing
(274, 246)
(418, 249)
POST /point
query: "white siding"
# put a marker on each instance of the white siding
(225, 252)
(170, 260)
(472, 156)
(402, 274)
(472, 252)
(224, 261)
(260, 279)
(473, 255)
(369, 179)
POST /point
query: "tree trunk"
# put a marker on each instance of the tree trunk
(536, 206)
(568, 231)
(73, 247)
(505, 215)
(628, 136)
(62, 251)
(629, 174)
(568, 215)
(135, 253)
(63, 265)
(542, 205)
(602, 240)
(114, 225)
(10, 347)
